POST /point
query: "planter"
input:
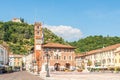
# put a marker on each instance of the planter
(79, 70)
(116, 71)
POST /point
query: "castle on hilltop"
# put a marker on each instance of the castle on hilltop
(16, 20)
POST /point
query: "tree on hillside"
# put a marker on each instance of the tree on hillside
(94, 42)
(20, 36)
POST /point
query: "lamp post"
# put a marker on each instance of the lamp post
(38, 60)
(34, 62)
(48, 57)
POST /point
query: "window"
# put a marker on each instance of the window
(115, 61)
(103, 61)
(59, 57)
(1, 51)
(115, 54)
(64, 57)
(38, 33)
(67, 50)
(47, 49)
(109, 60)
(37, 27)
(51, 49)
(39, 41)
(70, 58)
(64, 50)
(59, 50)
(70, 50)
(55, 50)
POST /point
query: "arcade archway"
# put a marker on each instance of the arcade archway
(67, 65)
(57, 66)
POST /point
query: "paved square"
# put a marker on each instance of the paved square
(82, 76)
(22, 75)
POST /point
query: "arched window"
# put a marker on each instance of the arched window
(70, 57)
(37, 27)
(64, 57)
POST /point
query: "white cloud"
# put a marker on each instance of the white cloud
(66, 32)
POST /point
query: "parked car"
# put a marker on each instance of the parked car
(16, 68)
(2, 69)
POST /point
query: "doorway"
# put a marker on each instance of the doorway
(57, 66)
(67, 65)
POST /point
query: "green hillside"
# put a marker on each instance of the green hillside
(94, 42)
(19, 36)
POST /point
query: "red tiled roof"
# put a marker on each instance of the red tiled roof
(117, 51)
(79, 55)
(111, 47)
(57, 45)
(104, 49)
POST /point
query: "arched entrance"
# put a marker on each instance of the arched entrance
(67, 65)
(57, 66)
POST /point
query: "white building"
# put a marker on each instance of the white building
(79, 59)
(104, 57)
(28, 61)
(15, 60)
(16, 20)
(3, 55)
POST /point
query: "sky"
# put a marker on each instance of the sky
(69, 19)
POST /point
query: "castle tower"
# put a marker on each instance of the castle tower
(38, 35)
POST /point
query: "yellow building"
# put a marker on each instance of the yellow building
(15, 60)
(117, 58)
(105, 57)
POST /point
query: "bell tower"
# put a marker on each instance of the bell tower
(38, 35)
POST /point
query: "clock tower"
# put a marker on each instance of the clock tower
(38, 35)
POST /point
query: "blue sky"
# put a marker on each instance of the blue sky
(70, 19)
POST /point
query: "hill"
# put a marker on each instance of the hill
(20, 37)
(94, 42)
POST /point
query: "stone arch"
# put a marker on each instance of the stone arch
(57, 66)
(67, 65)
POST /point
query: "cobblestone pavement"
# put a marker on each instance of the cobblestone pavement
(82, 76)
(22, 75)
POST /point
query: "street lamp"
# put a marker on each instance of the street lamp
(38, 60)
(48, 57)
(34, 62)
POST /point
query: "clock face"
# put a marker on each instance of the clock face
(38, 47)
(38, 41)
